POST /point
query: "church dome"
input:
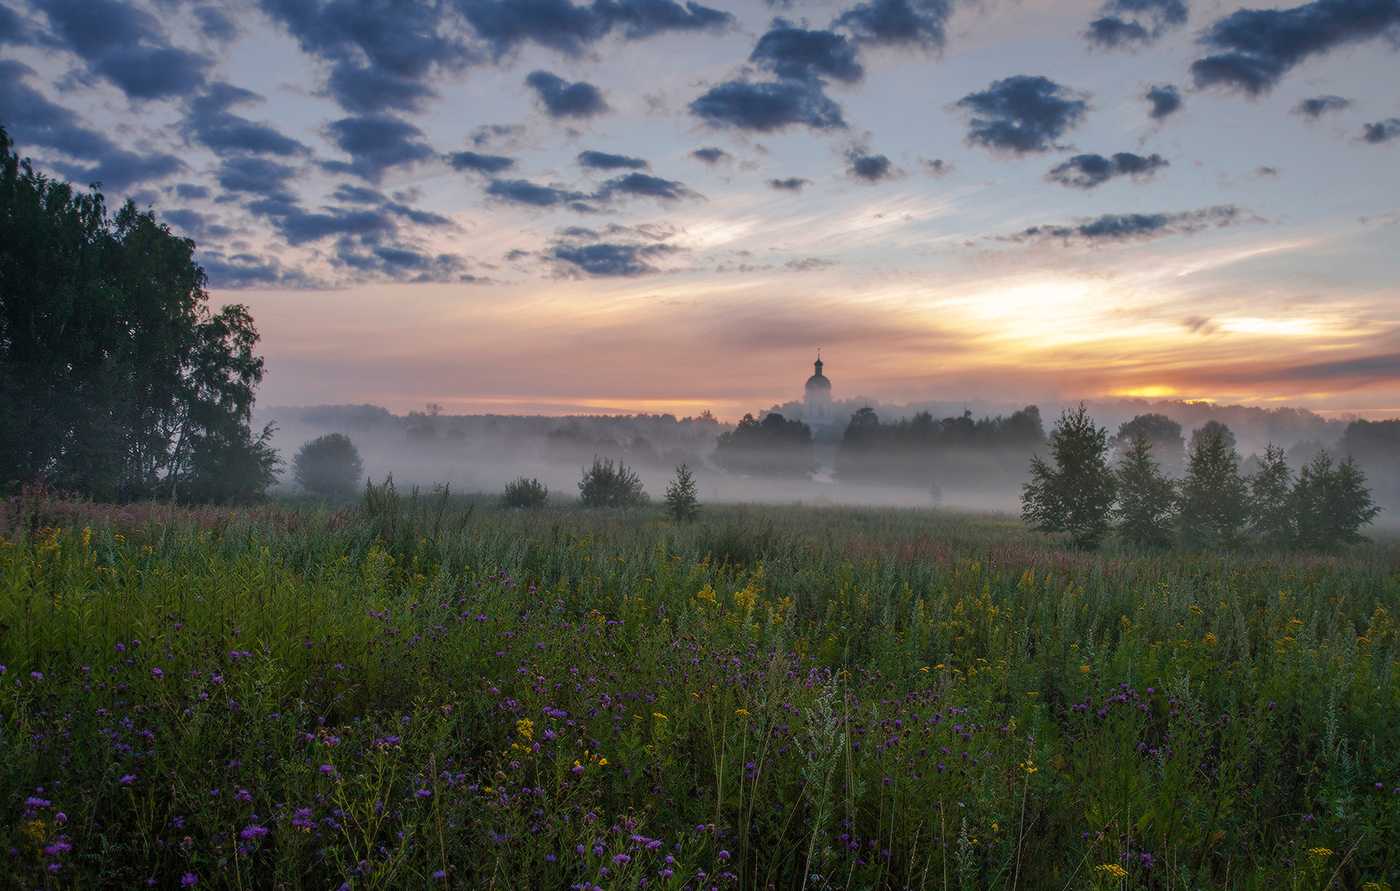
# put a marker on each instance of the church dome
(818, 380)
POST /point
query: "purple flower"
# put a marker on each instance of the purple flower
(439, 874)
(188, 880)
(253, 832)
(157, 673)
(126, 780)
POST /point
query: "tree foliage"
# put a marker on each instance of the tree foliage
(607, 486)
(525, 493)
(328, 465)
(1330, 504)
(1146, 497)
(773, 446)
(682, 502)
(116, 380)
(1214, 497)
(1163, 437)
(1270, 501)
(1077, 494)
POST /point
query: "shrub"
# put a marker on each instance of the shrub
(607, 486)
(681, 501)
(529, 493)
(328, 465)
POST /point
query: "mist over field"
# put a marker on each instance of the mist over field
(482, 453)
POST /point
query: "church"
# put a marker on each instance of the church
(816, 402)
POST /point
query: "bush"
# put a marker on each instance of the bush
(328, 465)
(681, 501)
(608, 486)
(529, 493)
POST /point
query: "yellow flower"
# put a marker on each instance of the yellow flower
(1210, 638)
(659, 715)
(602, 762)
(1320, 852)
(1112, 869)
(1083, 669)
(526, 728)
(742, 711)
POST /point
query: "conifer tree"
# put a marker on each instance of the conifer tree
(1076, 495)
(1146, 497)
(682, 504)
(1330, 505)
(1271, 515)
(1214, 497)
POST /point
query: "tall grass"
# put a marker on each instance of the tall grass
(435, 692)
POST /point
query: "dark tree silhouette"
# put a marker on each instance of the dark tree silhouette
(1076, 495)
(607, 486)
(1270, 500)
(774, 446)
(1163, 436)
(116, 380)
(1214, 497)
(1331, 504)
(1146, 497)
(328, 465)
(682, 503)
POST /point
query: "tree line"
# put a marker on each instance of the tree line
(116, 378)
(1082, 493)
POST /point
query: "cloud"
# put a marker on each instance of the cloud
(491, 165)
(766, 107)
(604, 161)
(12, 28)
(30, 118)
(1129, 23)
(561, 99)
(245, 270)
(401, 262)
(1121, 227)
(710, 155)
(1166, 101)
(1263, 172)
(373, 90)
(1022, 114)
(352, 194)
(936, 168)
(623, 251)
(519, 191)
(505, 25)
(1259, 46)
(194, 224)
(382, 55)
(799, 54)
(191, 192)
(1317, 106)
(1381, 131)
(257, 176)
(126, 46)
(644, 185)
(210, 123)
(487, 134)
(216, 24)
(899, 23)
(870, 168)
(375, 143)
(1087, 171)
(791, 184)
(807, 264)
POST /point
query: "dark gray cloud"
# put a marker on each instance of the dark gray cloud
(400, 262)
(869, 168)
(606, 259)
(642, 185)
(127, 46)
(791, 184)
(31, 119)
(1265, 172)
(488, 134)
(216, 24)
(382, 56)
(373, 90)
(243, 270)
(936, 168)
(561, 99)
(352, 194)
(210, 122)
(1318, 106)
(899, 22)
(1022, 114)
(195, 224)
(505, 25)
(191, 192)
(256, 176)
(799, 54)
(1257, 47)
(710, 155)
(1122, 227)
(1381, 131)
(1130, 23)
(519, 191)
(766, 107)
(491, 165)
(1166, 101)
(1087, 171)
(12, 28)
(807, 264)
(605, 161)
(375, 143)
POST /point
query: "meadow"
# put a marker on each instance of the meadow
(421, 691)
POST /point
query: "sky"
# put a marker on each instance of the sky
(545, 206)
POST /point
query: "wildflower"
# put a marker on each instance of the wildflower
(126, 780)
(1112, 869)
(439, 874)
(1083, 669)
(188, 880)
(1320, 852)
(253, 832)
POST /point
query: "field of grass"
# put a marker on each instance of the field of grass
(419, 692)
